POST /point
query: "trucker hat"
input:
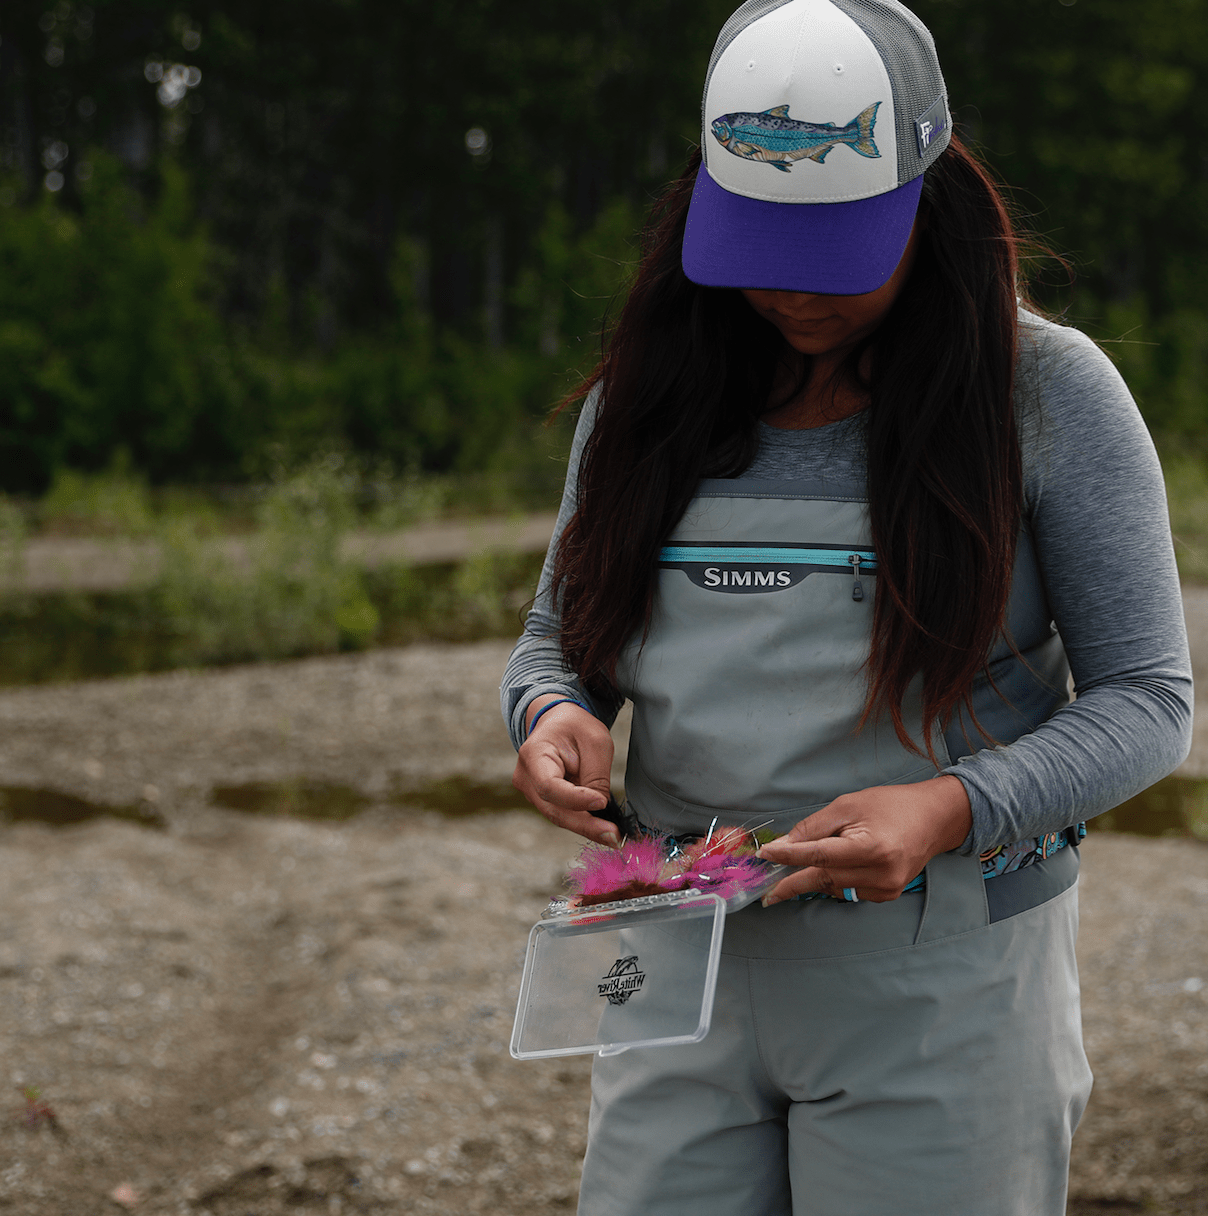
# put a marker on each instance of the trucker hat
(819, 118)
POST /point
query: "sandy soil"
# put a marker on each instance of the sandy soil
(251, 1015)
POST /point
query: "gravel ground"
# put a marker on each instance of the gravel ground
(253, 1015)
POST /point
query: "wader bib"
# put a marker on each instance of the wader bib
(863, 1058)
(749, 688)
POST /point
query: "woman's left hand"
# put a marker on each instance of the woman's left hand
(875, 840)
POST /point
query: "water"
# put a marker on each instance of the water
(20, 804)
(1176, 806)
(457, 796)
(299, 799)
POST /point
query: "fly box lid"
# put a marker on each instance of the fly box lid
(637, 973)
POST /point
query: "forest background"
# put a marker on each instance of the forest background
(383, 236)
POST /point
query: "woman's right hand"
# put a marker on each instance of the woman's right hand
(564, 767)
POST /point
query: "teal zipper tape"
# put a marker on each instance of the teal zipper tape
(765, 555)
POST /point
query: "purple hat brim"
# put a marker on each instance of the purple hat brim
(840, 249)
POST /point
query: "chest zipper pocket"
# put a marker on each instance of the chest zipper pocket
(751, 566)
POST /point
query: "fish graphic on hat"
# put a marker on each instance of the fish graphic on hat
(776, 139)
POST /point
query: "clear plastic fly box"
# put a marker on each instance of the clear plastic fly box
(637, 973)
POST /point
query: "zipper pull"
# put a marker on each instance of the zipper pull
(857, 592)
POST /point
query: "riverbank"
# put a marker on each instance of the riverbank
(237, 1012)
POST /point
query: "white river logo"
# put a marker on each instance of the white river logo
(622, 981)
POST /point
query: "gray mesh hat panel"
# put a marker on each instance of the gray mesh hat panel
(738, 21)
(907, 49)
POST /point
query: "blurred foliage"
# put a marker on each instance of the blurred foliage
(1097, 116)
(111, 348)
(76, 636)
(1187, 492)
(13, 529)
(285, 591)
(106, 342)
(294, 594)
(394, 228)
(115, 502)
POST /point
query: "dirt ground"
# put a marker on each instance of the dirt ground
(253, 1015)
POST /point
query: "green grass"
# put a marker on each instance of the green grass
(1187, 492)
(118, 502)
(295, 594)
(85, 636)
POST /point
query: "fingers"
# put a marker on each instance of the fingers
(593, 761)
(834, 863)
(567, 805)
(875, 841)
(582, 824)
(826, 882)
(833, 852)
(564, 770)
(827, 822)
(565, 796)
(803, 882)
(866, 886)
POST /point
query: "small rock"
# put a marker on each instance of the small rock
(125, 1195)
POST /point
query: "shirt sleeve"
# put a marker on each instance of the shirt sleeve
(1097, 506)
(536, 666)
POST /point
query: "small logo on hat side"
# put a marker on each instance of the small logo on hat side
(932, 124)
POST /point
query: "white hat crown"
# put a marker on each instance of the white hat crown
(822, 101)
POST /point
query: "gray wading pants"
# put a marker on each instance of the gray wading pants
(901, 1059)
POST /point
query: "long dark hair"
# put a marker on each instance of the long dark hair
(685, 376)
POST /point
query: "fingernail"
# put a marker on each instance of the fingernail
(611, 839)
(769, 900)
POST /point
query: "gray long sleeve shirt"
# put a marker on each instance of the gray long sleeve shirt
(1096, 504)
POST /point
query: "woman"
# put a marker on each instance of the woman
(841, 520)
